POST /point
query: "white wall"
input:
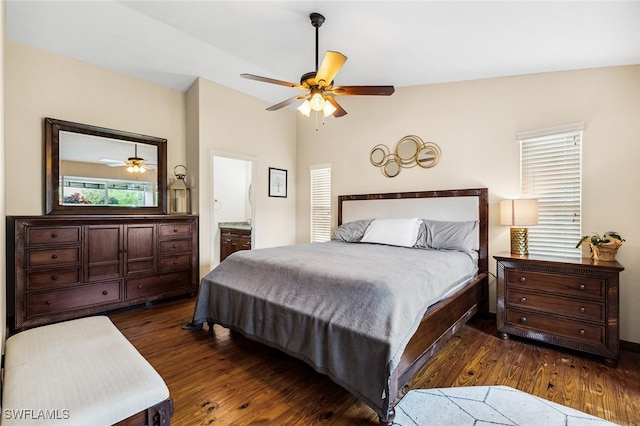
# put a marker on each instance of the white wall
(231, 181)
(475, 124)
(41, 84)
(3, 258)
(237, 124)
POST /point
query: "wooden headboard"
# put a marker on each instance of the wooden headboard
(451, 204)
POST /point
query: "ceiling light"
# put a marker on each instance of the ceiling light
(136, 166)
(317, 101)
(305, 108)
(135, 163)
(328, 109)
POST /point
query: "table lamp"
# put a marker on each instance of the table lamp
(518, 214)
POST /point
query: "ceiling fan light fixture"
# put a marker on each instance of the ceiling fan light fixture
(305, 108)
(317, 101)
(320, 83)
(328, 109)
(136, 165)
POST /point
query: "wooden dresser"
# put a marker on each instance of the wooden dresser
(570, 303)
(233, 239)
(63, 267)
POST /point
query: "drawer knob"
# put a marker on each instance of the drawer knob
(583, 331)
(175, 262)
(54, 256)
(105, 292)
(583, 309)
(54, 277)
(175, 246)
(581, 286)
(523, 319)
(48, 302)
(523, 299)
(139, 286)
(54, 235)
(175, 229)
(522, 279)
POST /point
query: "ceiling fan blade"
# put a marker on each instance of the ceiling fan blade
(272, 81)
(329, 67)
(363, 90)
(339, 112)
(285, 103)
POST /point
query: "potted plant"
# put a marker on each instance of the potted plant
(603, 247)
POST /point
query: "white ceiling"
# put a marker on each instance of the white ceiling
(404, 43)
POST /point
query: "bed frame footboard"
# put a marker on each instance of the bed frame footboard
(439, 324)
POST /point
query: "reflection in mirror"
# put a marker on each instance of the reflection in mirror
(102, 171)
(378, 155)
(428, 155)
(107, 172)
(392, 168)
(407, 149)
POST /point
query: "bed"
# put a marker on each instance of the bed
(402, 273)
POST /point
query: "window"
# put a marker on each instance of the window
(550, 166)
(320, 203)
(103, 192)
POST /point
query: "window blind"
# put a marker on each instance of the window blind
(320, 203)
(551, 168)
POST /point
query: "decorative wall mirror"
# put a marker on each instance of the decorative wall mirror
(93, 170)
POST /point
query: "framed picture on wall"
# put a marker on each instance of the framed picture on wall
(277, 182)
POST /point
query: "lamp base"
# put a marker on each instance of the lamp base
(520, 241)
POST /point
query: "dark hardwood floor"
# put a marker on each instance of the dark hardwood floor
(222, 378)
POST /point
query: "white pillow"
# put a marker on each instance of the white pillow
(394, 232)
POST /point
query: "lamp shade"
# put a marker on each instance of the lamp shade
(519, 212)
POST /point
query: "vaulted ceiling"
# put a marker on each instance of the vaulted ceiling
(404, 43)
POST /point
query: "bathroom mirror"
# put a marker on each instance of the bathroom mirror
(94, 170)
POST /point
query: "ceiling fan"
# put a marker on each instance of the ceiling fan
(134, 164)
(319, 83)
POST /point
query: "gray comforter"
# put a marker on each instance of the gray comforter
(347, 309)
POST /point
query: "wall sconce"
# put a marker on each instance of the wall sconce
(518, 214)
(179, 193)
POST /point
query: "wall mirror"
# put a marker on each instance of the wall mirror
(94, 170)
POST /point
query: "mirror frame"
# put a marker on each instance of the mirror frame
(52, 128)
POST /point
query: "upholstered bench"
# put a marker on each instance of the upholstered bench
(80, 372)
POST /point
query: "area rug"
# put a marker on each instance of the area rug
(486, 405)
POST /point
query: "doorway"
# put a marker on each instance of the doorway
(232, 196)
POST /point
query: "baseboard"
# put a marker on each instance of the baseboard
(630, 346)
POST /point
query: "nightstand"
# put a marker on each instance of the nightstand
(565, 302)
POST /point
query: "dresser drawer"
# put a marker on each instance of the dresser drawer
(165, 283)
(540, 323)
(229, 234)
(569, 285)
(53, 278)
(59, 235)
(177, 230)
(574, 308)
(52, 257)
(175, 246)
(60, 301)
(175, 262)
